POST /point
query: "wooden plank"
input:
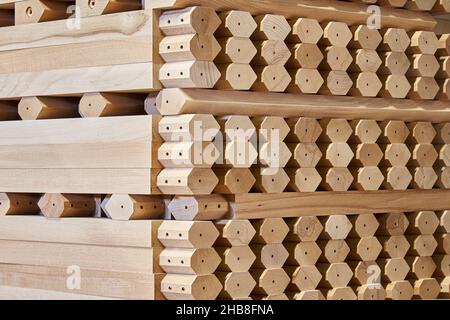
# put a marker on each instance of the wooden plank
(94, 181)
(14, 293)
(83, 256)
(137, 77)
(255, 206)
(79, 143)
(116, 284)
(220, 103)
(112, 27)
(322, 10)
(92, 231)
(77, 55)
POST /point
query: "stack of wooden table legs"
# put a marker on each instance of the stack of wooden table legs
(252, 108)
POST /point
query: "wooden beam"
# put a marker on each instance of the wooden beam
(84, 256)
(92, 143)
(322, 10)
(102, 283)
(15, 293)
(137, 77)
(111, 27)
(86, 181)
(89, 231)
(257, 206)
(219, 103)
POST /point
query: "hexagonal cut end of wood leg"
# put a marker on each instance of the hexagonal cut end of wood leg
(275, 78)
(364, 225)
(336, 130)
(338, 275)
(397, 86)
(274, 154)
(273, 27)
(308, 229)
(236, 232)
(271, 180)
(307, 253)
(197, 19)
(307, 30)
(423, 267)
(371, 292)
(238, 76)
(369, 248)
(271, 230)
(337, 34)
(202, 261)
(236, 181)
(190, 287)
(396, 246)
(310, 295)
(56, 205)
(309, 81)
(307, 179)
(364, 271)
(209, 207)
(396, 269)
(193, 181)
(398, 178)
(238, 259)
(187, 234)
(427, 289)
(306, 277)
(308, 56)
(307, 130)
(367, 84)
(366, 37)
(342, 293)
(238, 285)
(237, 24)
(129, 207)
(396, 39)
(274, 281)
(336, 251)
(337, 227)
(338, 83)
(366, 131)
(29, 108)
(425, 178)
(188, 127)
(399, 290)
(369, 179)
(426, 222)
(338, 179)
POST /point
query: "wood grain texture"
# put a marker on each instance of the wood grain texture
(84, 256)
(102, 283)
(136, 77)
(79, 143)
(87, 181)
(255, 206)
(178, 101)
(89, 231)
(353, 13)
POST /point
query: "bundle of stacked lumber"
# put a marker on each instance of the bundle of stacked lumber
(193, 149)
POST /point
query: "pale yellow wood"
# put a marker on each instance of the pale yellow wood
(84, 256)
(133, 207)
(89, 231)
(101, 283)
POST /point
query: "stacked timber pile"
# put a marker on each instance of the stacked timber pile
(193, 149)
